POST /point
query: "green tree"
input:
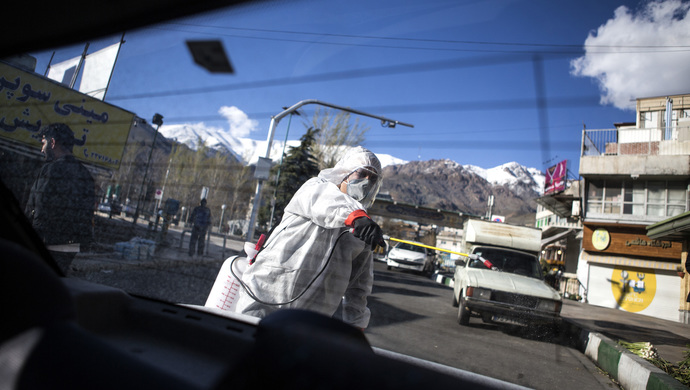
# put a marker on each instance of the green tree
(336, 133)
(299, 165)
(230, 182)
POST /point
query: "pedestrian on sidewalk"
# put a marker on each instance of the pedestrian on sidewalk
(62, 199)
(201, 220)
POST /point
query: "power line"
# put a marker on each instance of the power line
(428, 40)
(504, 104)
(343, 75)
(375, 46)
(504, 58)
(571, 51)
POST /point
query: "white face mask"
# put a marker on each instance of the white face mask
(358, 189)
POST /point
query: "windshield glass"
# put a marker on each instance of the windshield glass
(509, 261)
(143, 159)
(410, 247)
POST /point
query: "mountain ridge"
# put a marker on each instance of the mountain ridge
(444, 184)
(448, 185)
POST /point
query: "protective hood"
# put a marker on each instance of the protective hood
(356, 158)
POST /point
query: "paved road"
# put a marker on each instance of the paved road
(413, 315)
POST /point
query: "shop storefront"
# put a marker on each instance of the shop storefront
(621, 267)
(677, 229)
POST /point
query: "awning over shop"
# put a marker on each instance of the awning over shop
(556, 237)
(674, 229)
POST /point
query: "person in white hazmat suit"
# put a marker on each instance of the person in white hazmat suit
(321, 252)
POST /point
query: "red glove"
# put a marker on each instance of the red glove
(365, 229)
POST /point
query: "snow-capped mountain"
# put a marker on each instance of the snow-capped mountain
(444, 184)
(245, 150)
(510, 174)
(447, 185)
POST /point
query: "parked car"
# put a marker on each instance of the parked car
(129, 210)
(512, 291)
(104, 208)
(412, 256)
(113, 208)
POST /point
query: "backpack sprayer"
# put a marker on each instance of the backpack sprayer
(225, 291)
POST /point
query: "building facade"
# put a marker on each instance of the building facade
(634, 176)
(558, 216)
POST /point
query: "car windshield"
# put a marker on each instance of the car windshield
(411, 247)
(143, 156)
(508, 261)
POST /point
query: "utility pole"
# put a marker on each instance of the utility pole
(491, 206)
(280, 166)
(158, 121)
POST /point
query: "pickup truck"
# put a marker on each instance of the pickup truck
(500, 283)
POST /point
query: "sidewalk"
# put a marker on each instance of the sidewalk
(174, 249)
(598, 330)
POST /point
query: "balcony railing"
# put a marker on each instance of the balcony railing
(652, 141)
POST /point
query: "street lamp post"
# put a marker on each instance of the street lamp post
(222, 213)
(386, 122)
(167, 172)
(158, 121)
(280, 165)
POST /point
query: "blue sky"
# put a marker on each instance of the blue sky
(470, 76)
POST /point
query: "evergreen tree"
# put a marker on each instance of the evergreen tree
(299, 165)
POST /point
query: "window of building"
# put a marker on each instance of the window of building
(639, 199)
(612, 197)
(649, 119)
(595, 196)
(676, 198)
(633, 198)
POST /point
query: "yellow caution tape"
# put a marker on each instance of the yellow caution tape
(428, 246)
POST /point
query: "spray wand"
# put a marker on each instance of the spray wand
(484, 261)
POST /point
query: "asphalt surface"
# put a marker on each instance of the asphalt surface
(594, 329)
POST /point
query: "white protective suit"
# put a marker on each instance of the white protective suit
(299, 247)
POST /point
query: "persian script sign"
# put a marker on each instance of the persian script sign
(30, 102)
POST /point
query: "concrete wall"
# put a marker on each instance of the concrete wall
(636, 164)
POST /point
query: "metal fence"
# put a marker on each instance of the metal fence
(651, 141)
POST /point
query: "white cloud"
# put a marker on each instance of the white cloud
(625, 56)
(240, 124)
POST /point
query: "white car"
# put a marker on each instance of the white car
(413, 257)
(512, 291)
